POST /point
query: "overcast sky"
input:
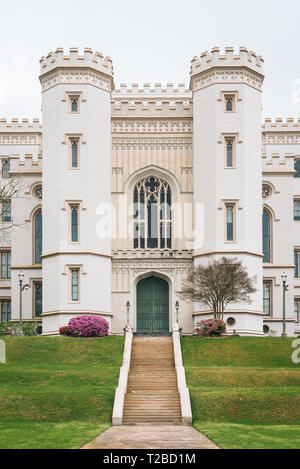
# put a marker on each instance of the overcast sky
(148, 41)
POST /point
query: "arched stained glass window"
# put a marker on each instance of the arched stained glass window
(152, 214)
(266, 222)
(38, 237)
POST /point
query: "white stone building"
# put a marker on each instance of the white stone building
(124, 190)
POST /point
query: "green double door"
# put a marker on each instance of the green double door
(152, 306)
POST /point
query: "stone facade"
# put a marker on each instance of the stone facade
(96, 151)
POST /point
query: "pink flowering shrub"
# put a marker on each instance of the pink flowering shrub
(210, 327)
(88, 326)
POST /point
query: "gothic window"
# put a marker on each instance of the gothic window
(297, 169)
(297, 310)
(38, 296)
(5, 168)
(229, 152)
(266, 191)
(75, 285)
(74, 152)
(296, 210)
(5, 264)
(38, 237)
(6, 211)
(5, 311)
(267, 297)
(229, 102)
(74, 102)
(152, 214)
(230, 215)
(38, 192)
(74, 223)
(266, 225)
(297, 263)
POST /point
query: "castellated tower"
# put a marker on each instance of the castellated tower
(227, 170)
(76, 185)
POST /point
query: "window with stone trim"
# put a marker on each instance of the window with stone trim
(267, 297)
(297, 169)
(74, 222)
(6, 211)
(297, 263)
(38, 236)
(230, 222)
(5, 265)
(5, 168)
(230, 152)
(37, 298)
(152, 214)
(74, 149)
(267, 233)
(229, 102)
(297, 310)
(74, 277)
(297, 210)
(5, 310)
(74, 104)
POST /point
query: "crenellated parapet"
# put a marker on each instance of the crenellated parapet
(278, 163)
(20, 132)
(90, 68)
(281, 125)
(214, 67)
(148, 90)
(281, 132)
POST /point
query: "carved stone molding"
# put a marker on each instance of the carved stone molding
(279, 138)
(152, 142)
(87, 77)
(20, 139)
(228, 76)
(140, 126)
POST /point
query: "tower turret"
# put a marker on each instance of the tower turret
(76, 182)
(227, 169)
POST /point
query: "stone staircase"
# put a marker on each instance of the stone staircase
(152, 396)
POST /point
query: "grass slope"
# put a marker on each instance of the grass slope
(57, 392)
(244, 391)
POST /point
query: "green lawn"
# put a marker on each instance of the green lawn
(57, 392)
(244, 391)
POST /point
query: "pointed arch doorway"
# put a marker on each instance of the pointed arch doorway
(152, 306)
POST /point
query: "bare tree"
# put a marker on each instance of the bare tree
(218, 284)
(10, 188)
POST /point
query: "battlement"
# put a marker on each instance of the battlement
(22, 125)
(169, 89)
(90, 59)
(280, 125)
(245, 58)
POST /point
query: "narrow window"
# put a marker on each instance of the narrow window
(38, 237)
(5, 311)
(5, 168)
(6, 211)
(74, 153)
(297, 263)
(74, 224)
(296, 210)
(267, 289)
(74, 103)
(229, 101)
(229, 222)
(75, 284)
(38, 298)
(229, 152)
(297, 309)
(5, 264)
(266, 222)
(297, 169)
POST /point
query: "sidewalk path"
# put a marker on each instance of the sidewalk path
(151, 437)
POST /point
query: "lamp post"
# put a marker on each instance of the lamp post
(22, 287)
(285, 289)
(177, 311)
(128, 311)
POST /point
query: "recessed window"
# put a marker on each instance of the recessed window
(74, 104)
(297, 210)
(38, 298)
(230, 222)
(74, 152)
(266, 191)
(229, 102)
(297, 169)
(5, 168)
(266, 223)
(230, 152)
(297, 263)
(297, 310)
(75, 285)
(267, 293)
(152, 214)
(5, 265)
(230, 321)
(38, 236)
(5, 311)
(6, 211)
(74, 223)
